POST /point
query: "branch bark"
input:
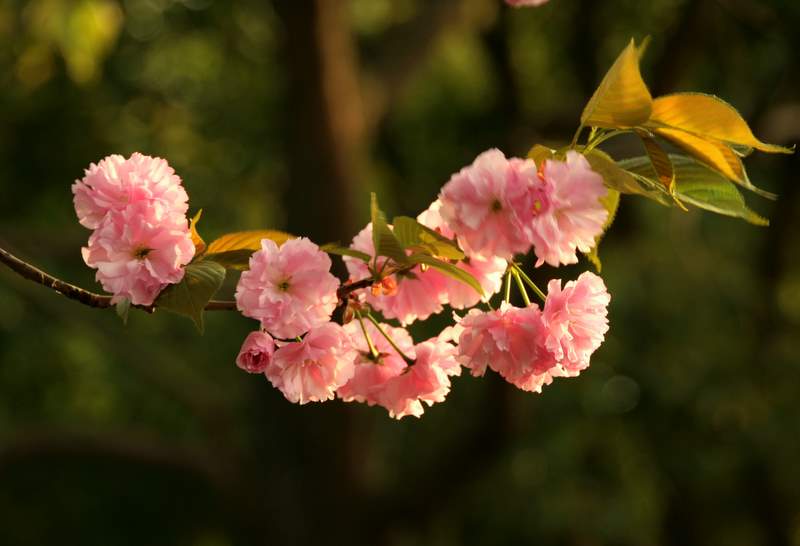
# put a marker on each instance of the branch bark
(90, 299)
(101, 301)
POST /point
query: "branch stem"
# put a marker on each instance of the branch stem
(103, 301)
(602, 137)
(521, 287)
(530, 283)
(383, 332)
(372, 350)
(90, 299)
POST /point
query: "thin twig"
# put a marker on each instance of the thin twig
(91, 299)
(521, 287)
(102, 301)
(374, 321)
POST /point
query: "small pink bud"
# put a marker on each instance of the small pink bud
(256, 352)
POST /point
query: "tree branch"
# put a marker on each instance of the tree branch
(101, 301)
(91, 299)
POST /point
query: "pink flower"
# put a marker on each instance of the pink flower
(418, 293)
(487, 271)
(289, 289)
(370, 376)
(510, 341)
(568, 212)
(115, 182)
(525, 3)
(312, 369)
(138, 251)
(427, 380)
(488, 205)
(256, 352)
(575, 320)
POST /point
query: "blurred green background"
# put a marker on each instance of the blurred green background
(285, 114)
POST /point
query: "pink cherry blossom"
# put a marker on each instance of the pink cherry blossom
(427, 380)
(370, 376)
(115, 182)
(568, 212)
(138, 251)
(289, 289)
(575, 320)
(510, 341)
(488, 205)
(256, 352)
(418, 293)
(312, 369)
(487, 271)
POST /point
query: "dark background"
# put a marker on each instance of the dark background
(285, 114)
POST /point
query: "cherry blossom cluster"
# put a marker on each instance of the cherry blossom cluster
(495, 209)
(528, 346)
(141, 239)
(319, 339)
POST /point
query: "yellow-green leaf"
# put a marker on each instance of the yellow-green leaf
(199, 243)
(611, 203)
(698, 185)
(714, 153)
(419, 238)
(251, 240)
(659, 159)
(622, 98)
(232, 259)
(540, 154)
(448, 269)
(339, 250)
(383, 239)
(707, 116)
(624, 182)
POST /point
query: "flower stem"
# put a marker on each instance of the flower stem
(602, 137)
(530, 283)
(372, 350)
(575, 138)
(508, 284)
(521, 287)
(377, 325)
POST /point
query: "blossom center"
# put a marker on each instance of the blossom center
(497, 206)
(141, 252)
(284, 285)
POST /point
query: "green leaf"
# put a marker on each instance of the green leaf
(247, 240)
(611, 202)
(698, 185)
(232, 259)
(714, 153)
(448, 269)
(418, 237)
(384, 240)
(624, 182)
(122, 308)
(189, 297)
(707, 116)
(336, 248)
(622, 99)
